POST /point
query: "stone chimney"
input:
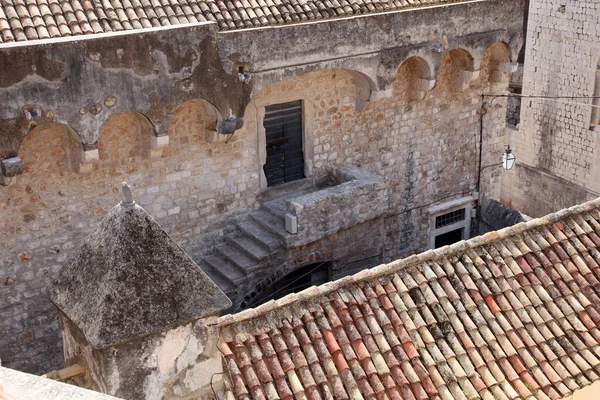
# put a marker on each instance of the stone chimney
(136, 309)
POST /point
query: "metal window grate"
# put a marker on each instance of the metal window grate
(450, 218)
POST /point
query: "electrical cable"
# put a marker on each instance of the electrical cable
(528, 96)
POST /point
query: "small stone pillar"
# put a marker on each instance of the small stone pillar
(136, 311)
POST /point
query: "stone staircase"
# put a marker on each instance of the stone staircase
(257, 243)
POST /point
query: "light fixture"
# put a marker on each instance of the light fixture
(508, 159)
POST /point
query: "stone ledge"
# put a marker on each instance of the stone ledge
(25, 386)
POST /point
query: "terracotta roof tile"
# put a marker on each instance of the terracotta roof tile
(27, 20)
(513, 316)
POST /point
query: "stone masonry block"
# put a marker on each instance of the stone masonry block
(468, 76)
(90, 156)
(425, 84)
(159, 142)
(508, 67)
(11, 167)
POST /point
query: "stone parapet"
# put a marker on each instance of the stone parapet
(357, 197)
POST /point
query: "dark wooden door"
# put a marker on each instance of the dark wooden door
(283, 128)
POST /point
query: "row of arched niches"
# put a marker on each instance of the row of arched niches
(132, 134)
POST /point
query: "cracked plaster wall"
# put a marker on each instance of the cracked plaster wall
(177, 363)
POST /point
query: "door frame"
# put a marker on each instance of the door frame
(307, 134)
(444, 208)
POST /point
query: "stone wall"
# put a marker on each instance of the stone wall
(193, 188)
(558, 136)
(495, 216)
(179, 363)
(201, 181)
(407, 110)
(536, 193)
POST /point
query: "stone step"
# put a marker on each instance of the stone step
(259, 235)
(273, 224)
(244, 263)
(226, 270)
(275, 208)
(247, 246)
(226, 285)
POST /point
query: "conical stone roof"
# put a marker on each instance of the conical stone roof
(129, 278)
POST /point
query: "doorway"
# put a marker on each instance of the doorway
(284, 130)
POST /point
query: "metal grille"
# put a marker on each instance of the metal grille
(283, 128)
(450, 218)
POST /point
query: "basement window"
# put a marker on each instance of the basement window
(450, 218)
(450, 222)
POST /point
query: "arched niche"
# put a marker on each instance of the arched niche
(126, 138)
(328, 97)
(456, 71)
(496, 64)
(413, 79)
(196, 121)
(51, 149)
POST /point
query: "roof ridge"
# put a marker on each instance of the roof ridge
(394, 266)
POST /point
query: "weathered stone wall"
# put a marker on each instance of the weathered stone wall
(426, 149)
(556, 139)
(357, 197)
(161, 138)
(175, 364)
(495, 216)
(195, 187)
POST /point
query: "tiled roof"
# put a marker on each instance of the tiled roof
(509, 315)
(41, 19)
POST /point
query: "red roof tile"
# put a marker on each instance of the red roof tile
(506, 316)
(77, 17)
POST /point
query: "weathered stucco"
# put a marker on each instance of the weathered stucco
(98, 111)
(180, 363)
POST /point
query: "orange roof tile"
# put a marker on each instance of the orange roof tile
(512, 314)
(55, 18)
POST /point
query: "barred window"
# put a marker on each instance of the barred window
(449, 218)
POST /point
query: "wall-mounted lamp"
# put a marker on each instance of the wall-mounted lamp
(508, 159)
